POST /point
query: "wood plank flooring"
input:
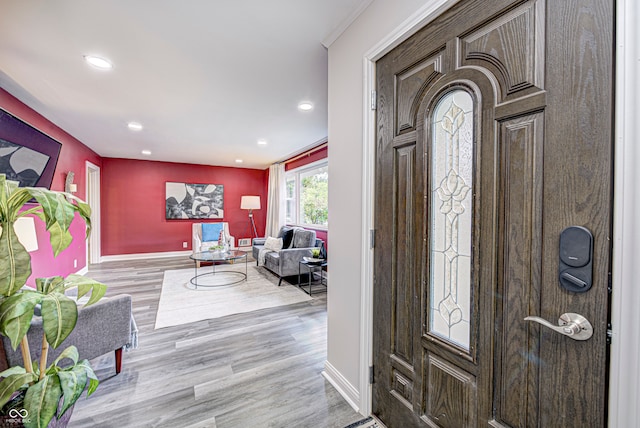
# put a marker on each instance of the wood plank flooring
(258, 369)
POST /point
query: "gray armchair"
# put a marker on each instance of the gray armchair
(102, 327)
(297, 243)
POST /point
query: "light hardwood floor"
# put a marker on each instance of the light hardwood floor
(259, 369)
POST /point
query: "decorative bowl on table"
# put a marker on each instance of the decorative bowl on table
(313, 260)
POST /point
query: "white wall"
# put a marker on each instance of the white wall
(373, 31)
(346, 106)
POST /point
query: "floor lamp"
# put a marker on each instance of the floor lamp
(251, 203)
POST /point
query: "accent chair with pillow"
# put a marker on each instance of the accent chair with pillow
(206, 235)
(296, 243)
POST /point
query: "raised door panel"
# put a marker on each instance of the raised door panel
(450, 395)
(404, 275)
(512, 48)
(521, 149)
(410, 85)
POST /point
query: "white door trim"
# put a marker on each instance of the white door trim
(366, 274)
(625, 364)
(624, 369)
(92, 192)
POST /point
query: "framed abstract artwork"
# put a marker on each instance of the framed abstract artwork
(27, 155)
(189, 201)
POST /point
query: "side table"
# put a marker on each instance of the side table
(311, 269)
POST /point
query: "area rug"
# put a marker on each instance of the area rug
(181, 304)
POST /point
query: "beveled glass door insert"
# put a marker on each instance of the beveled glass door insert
(451, 218)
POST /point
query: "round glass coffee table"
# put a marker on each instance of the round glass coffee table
(219, 277)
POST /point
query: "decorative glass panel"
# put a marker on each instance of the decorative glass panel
(450, 218)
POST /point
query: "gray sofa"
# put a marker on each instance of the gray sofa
(298, 243)
(102, 327)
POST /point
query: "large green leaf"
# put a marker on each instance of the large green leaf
(71, 353)
(93, 379)
(85, 212)
(48, 285)
(16, 328)
(13, 383)
(5, 191)
(56, 209)
(16, 313)
(72, 382)
(15, 262)
(60, 238)
(19, 304)
(83, 209)
(16, 198)
(49, 203)
(65, 212)
(13, 370)
(86, 285)
(41, 401)
(59, 317)
(57, 213)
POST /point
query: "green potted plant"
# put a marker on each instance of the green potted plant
(41, 390)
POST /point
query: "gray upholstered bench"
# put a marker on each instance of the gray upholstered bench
(102, 327)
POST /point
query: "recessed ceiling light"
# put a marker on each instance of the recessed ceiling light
(262, 142)
(146, 152)
(134, 126)
(98, 62)
(305, 106)
(239, 160)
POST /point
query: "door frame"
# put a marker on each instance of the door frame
(92, 195)
(624, 366)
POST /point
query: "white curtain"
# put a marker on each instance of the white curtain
(275, 200)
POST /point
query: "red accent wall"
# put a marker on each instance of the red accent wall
(311, 156)
(73, 155)
(133, 203)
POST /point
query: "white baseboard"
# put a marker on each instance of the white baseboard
(83, 271)
(339, 382)
(141, 256)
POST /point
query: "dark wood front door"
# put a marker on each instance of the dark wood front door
(494, 134)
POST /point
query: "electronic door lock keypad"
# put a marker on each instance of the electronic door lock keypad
(576, 259)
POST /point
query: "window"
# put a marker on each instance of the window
(307, 195)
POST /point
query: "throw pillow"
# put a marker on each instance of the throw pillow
(287, 238)
(273, 244)
(211, 232)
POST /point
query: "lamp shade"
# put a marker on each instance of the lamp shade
(250, 202)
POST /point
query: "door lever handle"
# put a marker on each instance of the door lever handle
(573, 325)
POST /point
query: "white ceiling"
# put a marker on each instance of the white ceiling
(206, 78)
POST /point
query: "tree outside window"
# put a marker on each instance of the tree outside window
(290, 198)
(307, 195)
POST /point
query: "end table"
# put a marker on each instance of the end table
(311, 269)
